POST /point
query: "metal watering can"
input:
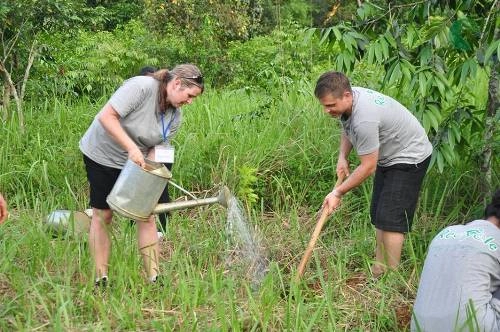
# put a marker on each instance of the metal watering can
(137, 190)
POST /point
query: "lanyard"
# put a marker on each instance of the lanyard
(164, 130)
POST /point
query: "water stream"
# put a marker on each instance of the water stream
(248, 248)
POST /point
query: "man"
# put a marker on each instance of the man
(460, 284)
(391, 143)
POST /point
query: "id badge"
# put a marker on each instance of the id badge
(164, 154)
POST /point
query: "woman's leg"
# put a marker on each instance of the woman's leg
(147, 239)
(100, 243)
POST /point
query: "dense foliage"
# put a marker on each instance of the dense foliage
(257, 129)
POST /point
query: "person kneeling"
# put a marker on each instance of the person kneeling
(459, 287)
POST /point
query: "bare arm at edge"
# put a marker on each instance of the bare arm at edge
(3, 209)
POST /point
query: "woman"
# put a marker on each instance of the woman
(138, 120)
(460, 283)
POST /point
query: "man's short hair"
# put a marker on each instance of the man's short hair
(493, 209)
(332, 82)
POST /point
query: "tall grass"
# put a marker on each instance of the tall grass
(46, 281)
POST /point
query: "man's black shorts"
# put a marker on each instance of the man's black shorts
(395, 195)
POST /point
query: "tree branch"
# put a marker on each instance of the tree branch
(494, 8)
(31, 59)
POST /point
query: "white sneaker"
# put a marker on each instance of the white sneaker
(160, 235)
(89, 212)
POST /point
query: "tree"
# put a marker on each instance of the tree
(23, 22)
(436, 52)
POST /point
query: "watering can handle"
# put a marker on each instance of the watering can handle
(314, 238)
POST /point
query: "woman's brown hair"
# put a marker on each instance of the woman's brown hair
(189, 75)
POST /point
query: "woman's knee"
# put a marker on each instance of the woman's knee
(102, 216)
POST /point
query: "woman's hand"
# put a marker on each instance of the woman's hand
(136, 156)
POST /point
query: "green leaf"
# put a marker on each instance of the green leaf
(425, 55)
(385, 48)
(439, 84)
(371, 54)
(390, 39)
(464, 72)
(439, 161)
(378, 53)
(432, 119)
(456, 131)
(349, 42)
(435, 111)
(407, 68)
(340, 61)
(388, 74)
(325, 33)
(396, 74)
(308, 35)
(426, 123)
(495, 46)
(422, 83)
(337, 33)
(456, 37)
(448, 154)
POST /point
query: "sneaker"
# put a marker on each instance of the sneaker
(160, 235)
(158, 281)
(101, 284)
(89, 212)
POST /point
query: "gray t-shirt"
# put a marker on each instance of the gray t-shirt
(380, 122)
(136, 101)
(461, 274)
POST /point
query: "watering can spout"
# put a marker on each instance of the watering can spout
(223, 198)
(136, 192)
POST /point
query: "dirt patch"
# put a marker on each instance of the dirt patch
(403, 315)
(166, 249)
(6, 290)
(357, 281)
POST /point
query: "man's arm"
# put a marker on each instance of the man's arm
(344, 151)
(366, 168)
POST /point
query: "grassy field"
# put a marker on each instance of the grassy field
(277, 153)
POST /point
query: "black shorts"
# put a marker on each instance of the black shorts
(102, 179)
(395, 195)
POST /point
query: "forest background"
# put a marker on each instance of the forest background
(257, 129)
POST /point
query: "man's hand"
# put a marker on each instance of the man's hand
(332, 201)
(3, 209)
(343, 168)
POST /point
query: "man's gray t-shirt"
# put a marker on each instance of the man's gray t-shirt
(379, 122)
(136, 101)
(461, 274)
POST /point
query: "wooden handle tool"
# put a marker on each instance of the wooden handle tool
(314, 238)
